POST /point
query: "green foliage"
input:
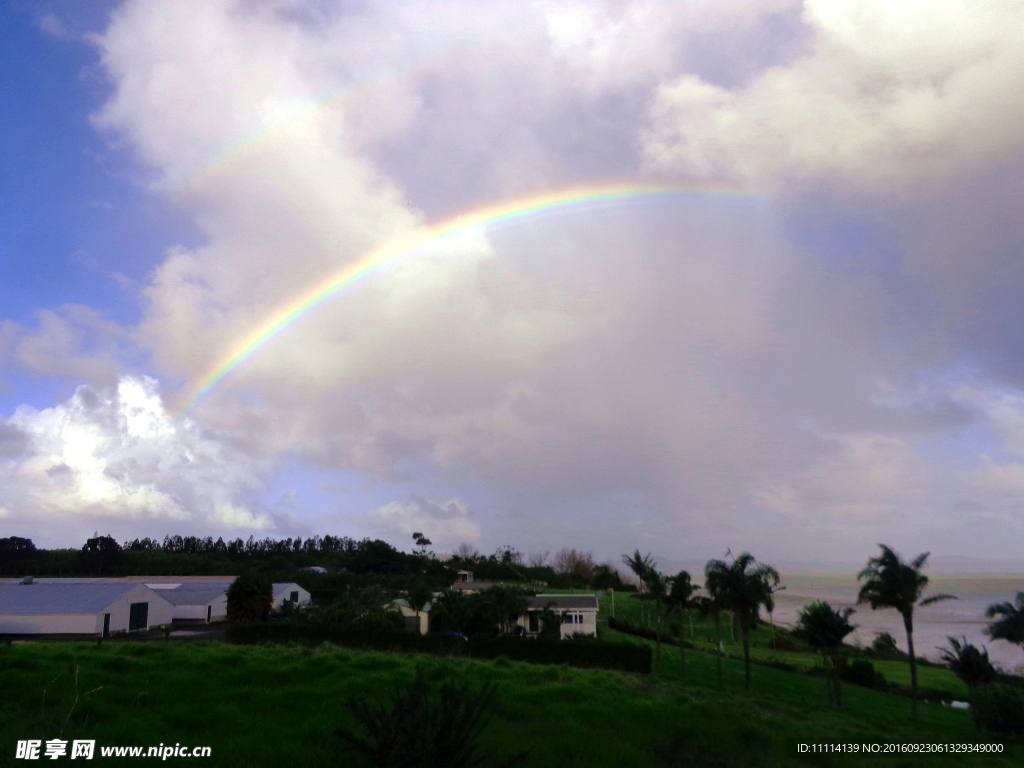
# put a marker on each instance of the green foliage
(743, 587)
(891, 583)
(998, 709)
(368, 609)
(275, 706)
(250, 598)
(491, 611)
(1010, 625)
(968, 663)
(625, 657)
(863, 672)
(885, 644)
(824, 628)
(550, 624)
(420, 730)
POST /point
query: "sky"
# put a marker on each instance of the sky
(810, 345)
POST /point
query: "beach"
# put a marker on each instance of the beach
(933, 624)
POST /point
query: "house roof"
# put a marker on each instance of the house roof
(290, 586)
(564, 602)
(477, 586)
(192, 594)
(36, 599)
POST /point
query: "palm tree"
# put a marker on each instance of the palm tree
(708, 605)
(968, 663)
(1011, 626)
(891, 583)
(824, 628)
(680, 599)
(419, 595)
(742, 587)
(655, 590)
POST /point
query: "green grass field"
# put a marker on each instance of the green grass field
(279, 706)
(929, 676)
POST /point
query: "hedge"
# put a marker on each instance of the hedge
(645, 632)
(621, 656)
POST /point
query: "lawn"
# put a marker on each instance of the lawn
(279, 706)
(930, 676)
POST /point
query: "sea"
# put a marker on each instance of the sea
(933, 624)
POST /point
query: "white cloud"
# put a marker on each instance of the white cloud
(890, 93)
(115, 453)
(697, 364)
(445, 523)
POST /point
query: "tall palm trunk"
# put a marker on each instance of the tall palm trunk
(837, 682)
(682, 649)
(745, 633)
(908, 624)
(657, 645)
(828, 678)
(718, 645)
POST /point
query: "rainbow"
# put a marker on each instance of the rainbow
(300, 109)
(409, 245)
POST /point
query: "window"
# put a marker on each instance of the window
(294, 597)
(534, 622)
(138, 617)
(566, 618)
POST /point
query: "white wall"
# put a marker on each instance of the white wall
(198, 612)
(282, 593)
(588, 627)
(90, 623)
(159, 609)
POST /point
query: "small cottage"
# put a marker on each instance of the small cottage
(578, 614)
(291, 592)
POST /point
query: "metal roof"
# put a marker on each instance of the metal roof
(564, 602)
(193, 594)
(35, 599)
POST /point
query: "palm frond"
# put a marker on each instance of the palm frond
(937, 599)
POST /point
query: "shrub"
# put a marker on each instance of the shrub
(645, 632)
(861, 672)
(419, 730)
(968, 663)
(998, 709)
(250, 598)
(629, 658)
(885, 645)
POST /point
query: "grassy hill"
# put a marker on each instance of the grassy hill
(279, 706)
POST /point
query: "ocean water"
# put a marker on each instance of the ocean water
(933, 624)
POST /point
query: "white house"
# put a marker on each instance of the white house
(195, 601)
(578, 614)
(292, 592)
(99, 609)
(413, 622)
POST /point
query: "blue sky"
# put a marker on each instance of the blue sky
(830, 359)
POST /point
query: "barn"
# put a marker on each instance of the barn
(99, 609)
(196, 601)
(292, 592)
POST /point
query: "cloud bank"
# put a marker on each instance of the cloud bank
(805, 369)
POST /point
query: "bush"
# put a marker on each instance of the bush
(861, 672)
(629, 658)
(420, 730)
(998, 709)
(250, 598)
